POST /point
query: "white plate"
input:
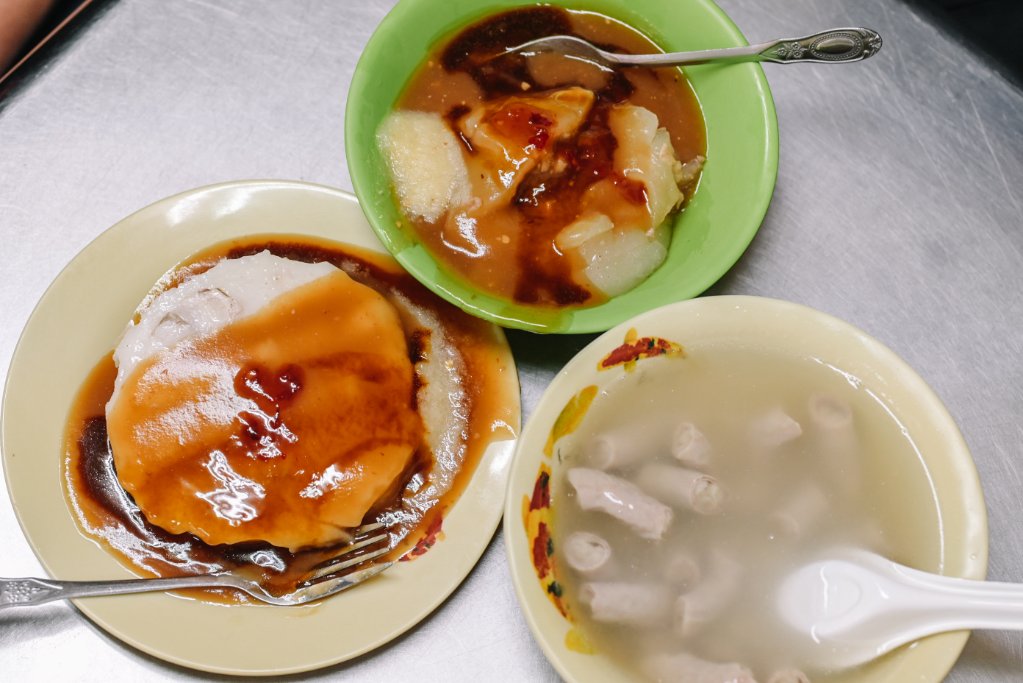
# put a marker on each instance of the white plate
(78, 321)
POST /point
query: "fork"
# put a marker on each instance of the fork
(322, 580)
(836, 45)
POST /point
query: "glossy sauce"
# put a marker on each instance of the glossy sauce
(441, 464)
(516, 256)
(285, 426)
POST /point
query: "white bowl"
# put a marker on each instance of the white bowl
(771, 325)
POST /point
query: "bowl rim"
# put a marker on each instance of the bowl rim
(581, 371)
(361, 149)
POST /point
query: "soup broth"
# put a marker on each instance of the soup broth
(790, 476)
(504, 238)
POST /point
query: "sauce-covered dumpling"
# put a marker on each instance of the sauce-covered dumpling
(270, 393)
(541, 179)
(264, 400)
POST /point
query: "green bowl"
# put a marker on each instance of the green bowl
(709, 235)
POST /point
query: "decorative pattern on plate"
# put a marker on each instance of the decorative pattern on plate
(432, 534)
(570, 417)
(536, 508)
(636, 348)
(536, 515)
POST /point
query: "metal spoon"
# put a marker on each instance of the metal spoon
(836, 45)
(856, 606)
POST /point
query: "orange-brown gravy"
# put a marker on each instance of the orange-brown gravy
(106, 512)
(515, 255)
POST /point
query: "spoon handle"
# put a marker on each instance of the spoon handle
(856, 606)
(942, 603)
(836, 45)
(833, 45)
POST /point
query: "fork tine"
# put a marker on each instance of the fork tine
(337, 566)
(336, 584)
(366, 528)
(333, 574)
(352, 547)
(351, 554)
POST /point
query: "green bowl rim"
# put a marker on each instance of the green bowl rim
(572, 321)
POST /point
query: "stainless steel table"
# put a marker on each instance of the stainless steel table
(899, 207)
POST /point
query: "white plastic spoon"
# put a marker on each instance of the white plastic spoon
(856, 606)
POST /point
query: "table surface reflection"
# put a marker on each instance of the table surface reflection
(899, 208)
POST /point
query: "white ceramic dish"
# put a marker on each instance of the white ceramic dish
(762, 324)
(78, 321)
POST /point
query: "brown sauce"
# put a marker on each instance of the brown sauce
(107, 513)
(285, 425)
(519, 259)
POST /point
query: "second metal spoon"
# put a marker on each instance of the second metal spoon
(836, 45)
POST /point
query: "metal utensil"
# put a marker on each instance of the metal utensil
(836, 45)
(326, 578)
(856, 606)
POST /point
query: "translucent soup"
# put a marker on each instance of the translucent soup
(694, 484)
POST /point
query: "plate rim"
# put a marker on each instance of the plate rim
(491, 472)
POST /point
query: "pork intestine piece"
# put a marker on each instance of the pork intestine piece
(788, 676)
(608, 453)
(686, 668)
(681, 569)
(830, 413)
(619, 602)
(681, 488)
(586, 552)
(621, 447)
(425, 160)
(596, 490)
(802, 511)
(627, 445)
(690, 446)
(703, 604)
(773, 429)
(835, 438)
